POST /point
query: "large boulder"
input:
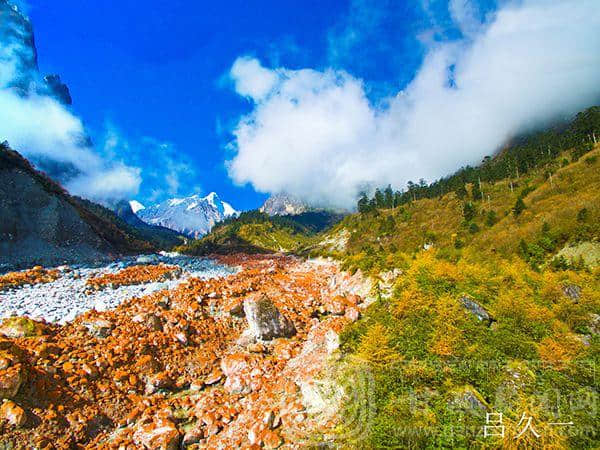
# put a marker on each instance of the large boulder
(11, 380)
(572, 291)
(99, 328)
(468, 400)
(160, 434)
(476, 309)
(264, 319)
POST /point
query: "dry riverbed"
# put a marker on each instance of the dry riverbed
(193, 360)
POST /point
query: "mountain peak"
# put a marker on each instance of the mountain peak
(283, 204)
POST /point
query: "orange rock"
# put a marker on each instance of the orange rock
(146, 364)
(193, 436)
(158, 435)
(11, 380)
(159, 381)
(13, 413)
(271, 440)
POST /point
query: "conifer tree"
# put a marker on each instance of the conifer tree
(519, 207)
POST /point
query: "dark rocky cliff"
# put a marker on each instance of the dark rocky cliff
(42, 224)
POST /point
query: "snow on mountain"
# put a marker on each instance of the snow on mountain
(194, 215)
(136, 206)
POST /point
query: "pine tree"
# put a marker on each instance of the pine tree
(389, 197)
(379, 198)
(461, 191)
(469, 211)
(375, 346)
(363, 203)
(519, 207)
(477, 194)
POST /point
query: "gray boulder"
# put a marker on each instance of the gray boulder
(264, 319)
(572, 291)
(476, 309)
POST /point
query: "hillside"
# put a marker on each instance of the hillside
(257, 232)
(485, 303)
(43, 224)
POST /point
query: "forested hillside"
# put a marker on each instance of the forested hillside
(487, 300)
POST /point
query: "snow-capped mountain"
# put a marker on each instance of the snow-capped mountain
(194, 215)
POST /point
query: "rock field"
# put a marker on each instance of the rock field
(226, 354)
(69, 295)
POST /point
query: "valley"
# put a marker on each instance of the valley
(339, 225)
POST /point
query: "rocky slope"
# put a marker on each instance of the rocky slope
(282, 205)
(221, 363)
(193, 216)
(43, 224)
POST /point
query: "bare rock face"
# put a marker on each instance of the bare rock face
(282, 205)
(264, 319)
(572, 291)
(476, 309)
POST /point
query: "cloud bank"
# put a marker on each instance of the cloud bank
(316, 135)
(44, 130)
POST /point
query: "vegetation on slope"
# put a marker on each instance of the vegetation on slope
(528, 153)
(526, 254)
(257, 232)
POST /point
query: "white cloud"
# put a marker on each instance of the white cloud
(116, 182)
(464, 13)
(42, 129)
(315, 135)
(251, 79)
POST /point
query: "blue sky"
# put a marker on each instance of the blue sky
(317, 98)
(160, 70)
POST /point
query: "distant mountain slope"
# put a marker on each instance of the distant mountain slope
(257, 232)
(251, 232)
(193, 216)
(160, 236)
(42, 224)
(283, 205)
(136, 206)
